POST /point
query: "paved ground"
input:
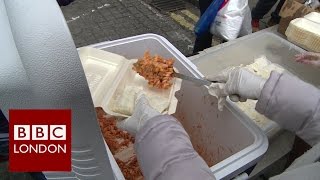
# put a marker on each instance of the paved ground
(93, 21)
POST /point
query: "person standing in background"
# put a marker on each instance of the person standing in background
(205, 40)
(261, 9)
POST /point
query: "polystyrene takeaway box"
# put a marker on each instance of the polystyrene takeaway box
(305, 33)
(228, 141)
(108, 75)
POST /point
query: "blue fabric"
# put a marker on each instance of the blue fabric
(203, 41)
(204, 23)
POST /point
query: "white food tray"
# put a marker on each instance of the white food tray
(101, 68)
(108, 76)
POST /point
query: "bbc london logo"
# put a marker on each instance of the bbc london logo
(39, 140)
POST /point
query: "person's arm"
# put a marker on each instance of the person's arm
(164, 151)
(283, 98)
(309, 58)
(293, 104)
(163, 147)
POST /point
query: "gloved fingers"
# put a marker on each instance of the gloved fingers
(222, 77)
(139, 95)
(237, 98)
(242, 99)
(141, 101)
(245, 84)
(217, 77)
(122, 124)
(217, 90)
(129, 125)
(221, 103)
(119, 118)
(141, 114)
(234, 98)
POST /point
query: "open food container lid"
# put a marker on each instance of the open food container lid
(114, 84)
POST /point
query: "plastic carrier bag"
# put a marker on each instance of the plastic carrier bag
(233, 20)
(203, 25)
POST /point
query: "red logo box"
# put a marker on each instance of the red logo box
(39, 140)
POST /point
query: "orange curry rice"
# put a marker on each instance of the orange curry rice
(119, 142)
(156, 70)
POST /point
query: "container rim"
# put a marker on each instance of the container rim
(245, 158)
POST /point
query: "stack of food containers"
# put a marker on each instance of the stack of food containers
(305, 32)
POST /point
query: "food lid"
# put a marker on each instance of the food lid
(102, 69)
(110, 78)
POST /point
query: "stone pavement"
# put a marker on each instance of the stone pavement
(93, 21)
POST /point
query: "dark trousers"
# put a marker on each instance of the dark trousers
(264, 6)
(205, 40)
(298, 149)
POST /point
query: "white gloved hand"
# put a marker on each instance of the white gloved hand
(141, 114)
(237, 83)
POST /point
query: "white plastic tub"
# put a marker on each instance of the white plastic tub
(245, 50)
(228, 140)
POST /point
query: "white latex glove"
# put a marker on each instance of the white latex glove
(237, 83)
(141, 114)
(309, 58)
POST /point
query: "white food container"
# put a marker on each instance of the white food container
(108, 75)
(229, 141)
(313, 16)
(305, 33)
(245, 50)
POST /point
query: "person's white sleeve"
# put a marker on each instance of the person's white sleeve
(293, 104)
(164, 151)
